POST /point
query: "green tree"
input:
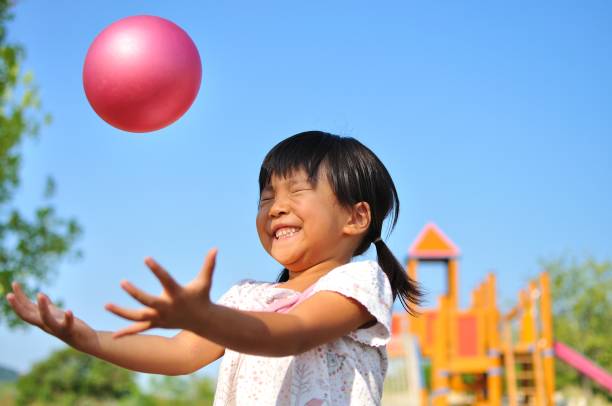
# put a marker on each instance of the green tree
(181, 390)
(582, 311)
(70, 377)
(29, 248)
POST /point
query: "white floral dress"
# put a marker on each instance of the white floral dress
(347, 371)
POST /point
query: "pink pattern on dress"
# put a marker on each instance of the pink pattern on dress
(314, 402)
(285, 305)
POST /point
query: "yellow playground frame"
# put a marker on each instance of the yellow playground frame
(475, 355)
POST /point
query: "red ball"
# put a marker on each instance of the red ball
(142, 73)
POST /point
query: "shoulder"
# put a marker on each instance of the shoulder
(366, 283)
(360, 272)
(363, 280)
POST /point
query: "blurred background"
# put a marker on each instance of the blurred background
(494, 120)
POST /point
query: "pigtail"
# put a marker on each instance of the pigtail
(402, 285)
(283, 276)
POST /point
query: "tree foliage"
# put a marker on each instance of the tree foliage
(30, 248)
(70, 377)
(181, 391)
(582, 311)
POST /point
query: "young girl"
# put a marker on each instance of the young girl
(318, 335)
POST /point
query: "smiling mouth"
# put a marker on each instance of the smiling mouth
(285, 232)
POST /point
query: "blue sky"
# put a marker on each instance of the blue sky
(494, 120)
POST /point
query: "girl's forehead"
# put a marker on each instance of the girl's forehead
(297, 175)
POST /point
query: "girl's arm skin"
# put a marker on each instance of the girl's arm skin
(182, 354)
(323, 317)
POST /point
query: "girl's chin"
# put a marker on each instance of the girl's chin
(287, 261)
(287, 258)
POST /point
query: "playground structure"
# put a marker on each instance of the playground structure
(477, 356)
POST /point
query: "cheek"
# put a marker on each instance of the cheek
(260, 225)
(320, 220)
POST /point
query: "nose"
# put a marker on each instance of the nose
(279, 207)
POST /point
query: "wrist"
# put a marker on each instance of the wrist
(89, 343)
(202, 319)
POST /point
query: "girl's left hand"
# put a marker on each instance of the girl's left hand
(174, 307)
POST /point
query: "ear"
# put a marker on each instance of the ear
(359, 219)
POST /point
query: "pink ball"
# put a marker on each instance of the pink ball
(142, 73)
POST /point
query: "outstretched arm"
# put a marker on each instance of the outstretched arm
(184, 353)
(324, 317)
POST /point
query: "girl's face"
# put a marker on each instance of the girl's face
(301, 224)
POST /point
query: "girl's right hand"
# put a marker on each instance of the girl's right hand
(53, 320)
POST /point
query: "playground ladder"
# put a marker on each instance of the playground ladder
(533, 382)
(529, 377)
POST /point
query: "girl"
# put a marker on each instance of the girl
(318, 335)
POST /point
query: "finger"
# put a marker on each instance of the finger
(11, 298)
(68, 320)
(24, 313)
(145, 314)
(143, 297)
(205, 275)
(45, 314)
(21, 297)
(133, 329)
(27, 307)
(164, 277)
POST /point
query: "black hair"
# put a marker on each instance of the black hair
(356, 175)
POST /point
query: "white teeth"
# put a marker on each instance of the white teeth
(286, 232)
